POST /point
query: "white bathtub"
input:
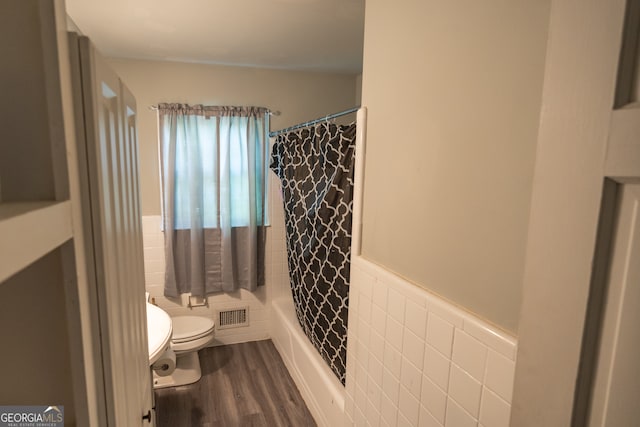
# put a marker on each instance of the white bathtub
(318, 385)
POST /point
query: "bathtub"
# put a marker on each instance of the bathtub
(318, 385)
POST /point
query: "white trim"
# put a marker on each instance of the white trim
(578, 94)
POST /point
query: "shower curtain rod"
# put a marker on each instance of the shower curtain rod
(313, 122)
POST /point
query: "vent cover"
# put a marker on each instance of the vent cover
(234, 318)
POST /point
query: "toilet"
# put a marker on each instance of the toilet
(190, 334)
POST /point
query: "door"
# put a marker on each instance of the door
(588, 155)
(112, 212)
(617, 378)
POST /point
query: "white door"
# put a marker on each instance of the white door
(617, 380)
(582, 143)
(111, 194)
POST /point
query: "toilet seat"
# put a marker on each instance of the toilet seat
(191, 332)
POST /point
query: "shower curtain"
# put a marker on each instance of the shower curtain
(316, 166)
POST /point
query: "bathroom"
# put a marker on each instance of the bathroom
(459, 197)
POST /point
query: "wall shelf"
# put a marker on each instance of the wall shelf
(29, 231)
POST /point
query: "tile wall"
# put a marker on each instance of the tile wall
(259, 302)
(414, 359)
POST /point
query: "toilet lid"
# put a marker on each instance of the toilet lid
(188, 328)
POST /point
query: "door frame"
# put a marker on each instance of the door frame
(579, 93)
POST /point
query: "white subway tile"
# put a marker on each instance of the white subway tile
(494, 411)
(360, 419)
(355, 276)
(389, 411)
(149, 226)
(279, 257)
(393, 333)
(268, 269)
(361, 263)
(392, 360)
(465, 390)
(372, 415)
(446, 311)
(354, 300)
(285, 273)
(403, 421)
(348, 405)
(146, 219)
(153, 240)
(350, 383)
(351, 360)
(409, 406)
(381, 273)
(361, 373)
(491, 337)
(154, 267)
(427, 420)
(499, 375)
(154, 253)
(375, 370)
(402, 341)
(365, 309)
(470, 354)
(374, 393)
(156, 220)
(413, 348)
(411, 377)
(155, 290)
(416, 319)
(396, 305)
(434, 399)
(361, 397)
(378, 319)
(436, 367)
(364, 331)
(458, 417)
(151, 279)
(364, 280)
(352, 330)
(380, 294)
(390, 385)
(440, 334)
(376, 345)
(412, 292)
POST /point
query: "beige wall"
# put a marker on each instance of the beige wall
(300, 96)
(33, 324)
(453, 91)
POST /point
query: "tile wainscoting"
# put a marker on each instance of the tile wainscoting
(414, 359)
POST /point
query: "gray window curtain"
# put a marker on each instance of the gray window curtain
(213, 173)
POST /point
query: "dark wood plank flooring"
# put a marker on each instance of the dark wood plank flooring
(242, 385)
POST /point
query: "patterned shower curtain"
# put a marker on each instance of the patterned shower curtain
(316, 166)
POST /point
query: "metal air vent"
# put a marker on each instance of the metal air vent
(233, 318)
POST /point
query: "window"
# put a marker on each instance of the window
(219, 167)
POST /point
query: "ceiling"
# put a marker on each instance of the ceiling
(322, 35)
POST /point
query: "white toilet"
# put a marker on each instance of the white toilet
(190, 334)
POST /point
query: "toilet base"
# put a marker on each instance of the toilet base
(187, 372)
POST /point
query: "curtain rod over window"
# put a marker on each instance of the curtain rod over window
(313, 122)
(210, 109)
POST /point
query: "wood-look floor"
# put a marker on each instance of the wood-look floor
(242, 385)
